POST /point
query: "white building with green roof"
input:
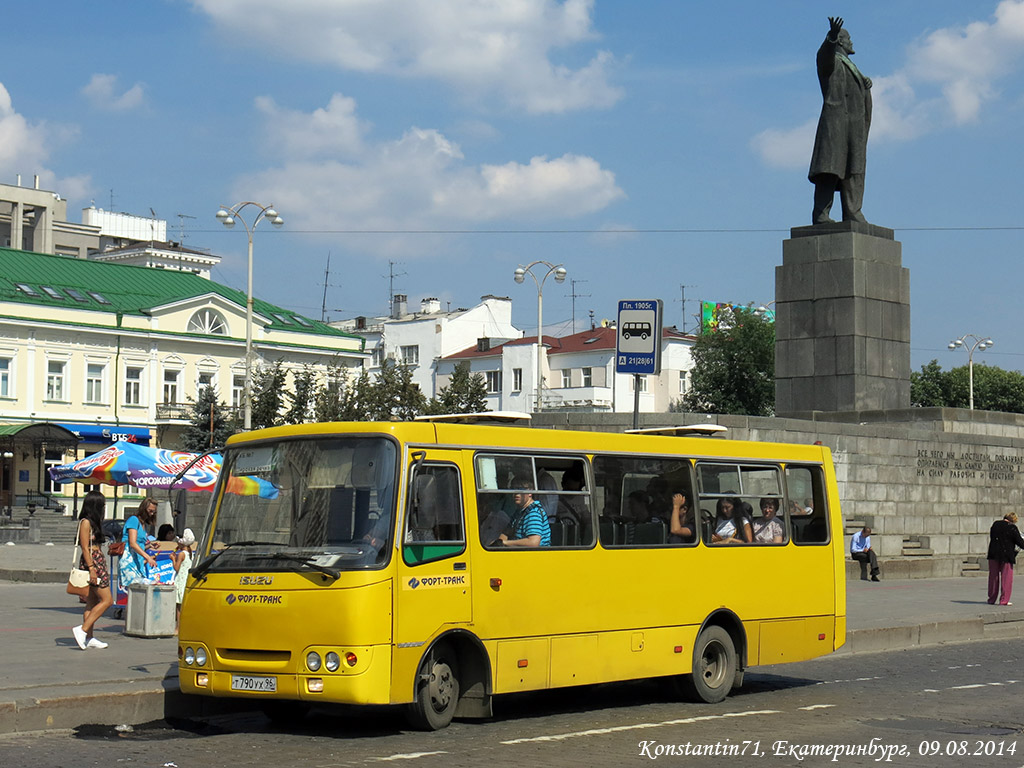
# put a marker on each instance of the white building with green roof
(112, 351)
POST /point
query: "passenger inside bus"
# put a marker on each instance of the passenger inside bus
(731, 525)
(768, 527)
(529, 526)
(682, 527)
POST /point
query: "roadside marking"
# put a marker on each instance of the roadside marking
(816, 706)
(972, 685)
(640, 726)
(409, 756)
(850, 680)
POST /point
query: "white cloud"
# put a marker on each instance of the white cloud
(25, 149)
(482, 47)
(333, 131)
(418, 181)
(949, 76)
(100, 90)
(785, 148)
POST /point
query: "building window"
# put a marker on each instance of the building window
(634, 379)
(5, 376)
(410, 354)
(566, 378)
(55, 380)
(94, 383)
(588, 377)
(208, 321)
(682, 382)
(493, 381)
(205, 380)
(378, 356)
(517, 379)
(132, 386)
(237, 391)
(171, 386)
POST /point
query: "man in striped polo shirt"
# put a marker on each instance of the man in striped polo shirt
(529, 524)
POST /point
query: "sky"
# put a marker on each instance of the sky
(655, 149)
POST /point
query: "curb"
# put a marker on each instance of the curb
(33, 576)
(112, 707)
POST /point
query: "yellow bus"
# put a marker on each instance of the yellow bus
(391, 564)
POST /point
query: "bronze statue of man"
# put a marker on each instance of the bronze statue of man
(840, 144)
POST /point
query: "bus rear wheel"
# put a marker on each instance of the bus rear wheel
(714, 666)
(437, 692)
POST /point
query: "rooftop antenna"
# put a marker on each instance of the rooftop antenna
(327, 274)
(152, 226)
(575, 296)
(111, 200)
(682, 299)
(391, 285)
(181, 226)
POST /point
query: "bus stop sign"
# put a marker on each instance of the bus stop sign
(638, 341)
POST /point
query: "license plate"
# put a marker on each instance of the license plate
(253, 683)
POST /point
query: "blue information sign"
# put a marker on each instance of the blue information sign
(638, 346)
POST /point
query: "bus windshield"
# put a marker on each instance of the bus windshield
(334, 506)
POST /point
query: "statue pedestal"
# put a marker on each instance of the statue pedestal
(842, 321)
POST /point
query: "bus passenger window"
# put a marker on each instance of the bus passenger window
(647, 501)
(808, 513)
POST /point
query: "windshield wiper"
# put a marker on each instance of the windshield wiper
(307, 561)
(199, 571)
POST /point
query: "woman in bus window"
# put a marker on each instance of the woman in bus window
(731, 525)
(682, 526)
(768, 529)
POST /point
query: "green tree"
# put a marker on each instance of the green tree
(734, 367)
(930, 387)
(268, 395)
(209, 424)
(342, 397)
(301, 397)
(995, 389)
(394, 396)
(466, 393)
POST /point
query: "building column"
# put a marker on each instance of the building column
(17, 226)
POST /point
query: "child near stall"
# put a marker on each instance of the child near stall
(182, 559)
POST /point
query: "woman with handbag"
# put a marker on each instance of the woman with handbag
(135, 562)
(98, 598)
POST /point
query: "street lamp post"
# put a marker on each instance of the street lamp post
(227, 217)
(520, 274)
(981, 344)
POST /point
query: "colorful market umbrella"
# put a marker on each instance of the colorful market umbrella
(124, 463)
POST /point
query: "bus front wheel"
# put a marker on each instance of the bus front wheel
(714, 666)
(437, 692)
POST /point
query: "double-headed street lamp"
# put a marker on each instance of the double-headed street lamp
(520, 274)
(227, 217)
(980, 344)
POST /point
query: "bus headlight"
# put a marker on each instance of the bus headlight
(312, 661)
(201, 656)
(190, 656)
(332, 661)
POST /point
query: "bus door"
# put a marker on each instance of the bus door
(432, 590)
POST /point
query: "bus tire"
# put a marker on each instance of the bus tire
(437, 691)
(714, 666)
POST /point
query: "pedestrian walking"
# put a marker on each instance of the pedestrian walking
(1004, 539)
(90, 538)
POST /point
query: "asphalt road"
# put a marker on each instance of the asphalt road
(951, 705)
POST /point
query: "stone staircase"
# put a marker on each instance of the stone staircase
(916, 546)
(52, 527)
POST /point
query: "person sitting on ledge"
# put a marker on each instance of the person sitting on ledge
(861, 551)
